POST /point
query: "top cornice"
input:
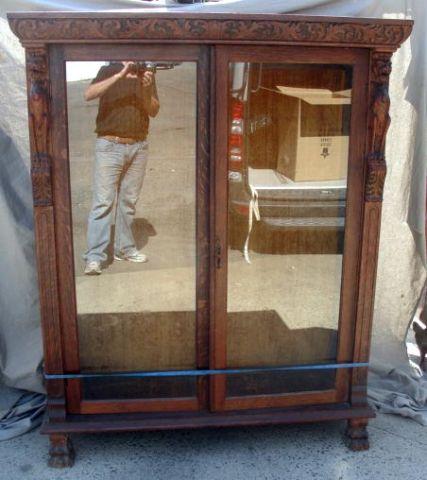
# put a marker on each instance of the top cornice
(72, 27)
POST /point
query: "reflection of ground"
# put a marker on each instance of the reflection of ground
(302, 291)
(296, 286)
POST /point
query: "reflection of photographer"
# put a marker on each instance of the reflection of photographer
(127, 98)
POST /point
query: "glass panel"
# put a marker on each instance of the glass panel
(132, 130)
(130, 388)
(287, 154)
(279, 383)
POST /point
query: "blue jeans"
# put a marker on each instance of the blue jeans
(119, 172)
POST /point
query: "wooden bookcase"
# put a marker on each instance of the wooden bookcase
(267, 319)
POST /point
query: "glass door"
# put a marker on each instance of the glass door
(138, 161)
(288, 177)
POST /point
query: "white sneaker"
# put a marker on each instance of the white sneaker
(93, 268)
(131, 256)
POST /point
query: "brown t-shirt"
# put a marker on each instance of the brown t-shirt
(121, 112)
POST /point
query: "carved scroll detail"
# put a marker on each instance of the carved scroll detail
(375, 179)
(163, 27)
(380, 122)
(38, 104)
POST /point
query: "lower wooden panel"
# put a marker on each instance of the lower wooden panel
(133, 406)
(165, 421)
(277, 401)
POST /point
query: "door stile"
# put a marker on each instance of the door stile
(218, 353)
(203, 202)
(353, 222)
(64, 228)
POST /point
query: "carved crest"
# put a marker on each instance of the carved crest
(280, 29)
(38, 101)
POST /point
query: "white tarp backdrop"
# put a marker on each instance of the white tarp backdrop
(394, 386)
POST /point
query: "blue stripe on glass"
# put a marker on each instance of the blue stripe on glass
(198, 373)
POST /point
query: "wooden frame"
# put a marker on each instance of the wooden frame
(359, 61)
(62, 213)
(49, 38)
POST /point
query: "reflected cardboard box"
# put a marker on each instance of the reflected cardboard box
(313, 133)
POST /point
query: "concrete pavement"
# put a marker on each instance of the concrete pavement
(292, 452)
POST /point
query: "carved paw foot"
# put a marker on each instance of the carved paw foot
(61, 452)
(357, 435)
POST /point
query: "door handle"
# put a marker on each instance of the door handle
(218, 253)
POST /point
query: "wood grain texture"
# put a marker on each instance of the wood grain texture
(48, 296)
(353, 220)
(167, 421)
(237, 28)
(375, 165)
(212, 40)
(61, 451)
(358, 59)
(367, 277)
(202, 208)
(38, 90)
(140, 405)
(63, 223)
(357, 434)
(80, 353)
(378, 126)
(219, 247)
(281, 400)
(39, 124)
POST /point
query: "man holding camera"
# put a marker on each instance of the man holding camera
(127, 99)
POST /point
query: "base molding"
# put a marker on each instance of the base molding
(61, 453)
(187, 420)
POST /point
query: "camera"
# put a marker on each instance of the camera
(138, 68)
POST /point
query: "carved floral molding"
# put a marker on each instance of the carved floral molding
(286, 29)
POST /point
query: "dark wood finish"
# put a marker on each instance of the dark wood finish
(218, 354)
(202, 220)
(63, 220)
(64, 225)
(213, 252)
(39, 123)
(61, 452)
(357, 434)
(118, 51)
(60, 27)
(354, 209)
(379, 124)
(53, 38)
(166, 421)
(359, 60)
(139, 405)
(375, 170)
(281, 400)
(38, 88)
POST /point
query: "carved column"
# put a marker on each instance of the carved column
(38, 88)
(378, 124)
(38, 109)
